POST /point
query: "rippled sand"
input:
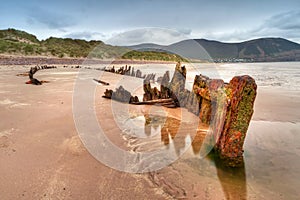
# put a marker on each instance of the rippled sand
(42, 156)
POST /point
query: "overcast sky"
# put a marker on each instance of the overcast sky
(157, 21)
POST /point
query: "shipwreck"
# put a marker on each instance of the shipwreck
(226, 107)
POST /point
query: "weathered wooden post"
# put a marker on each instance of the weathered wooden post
(227, 108)
(177, 84)
(148, 95)
(241, 93)
(164, 86)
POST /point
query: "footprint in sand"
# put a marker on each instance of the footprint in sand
(5, 141)
(74, 145)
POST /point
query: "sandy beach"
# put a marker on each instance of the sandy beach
(43, 157)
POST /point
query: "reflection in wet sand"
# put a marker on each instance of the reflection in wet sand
(197, 142)
(173, 131)
(233, 180)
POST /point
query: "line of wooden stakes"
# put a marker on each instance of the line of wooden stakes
(226, 107)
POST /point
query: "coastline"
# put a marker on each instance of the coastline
(45, 60)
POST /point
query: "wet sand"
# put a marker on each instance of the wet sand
(42, 156)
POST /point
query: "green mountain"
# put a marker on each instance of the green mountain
(21, 43)
(152, 55)
(80, 48)
(16, 35)
(16, 42)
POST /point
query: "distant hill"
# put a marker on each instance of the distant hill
(21, 43)
(263, 49)
(16, 42)
(66, 47)
(152, 55)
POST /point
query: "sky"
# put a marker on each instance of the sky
(128, 22)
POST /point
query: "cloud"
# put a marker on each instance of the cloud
(286, 25)
(86, 35)
(285, 21)
(53, 20)
(185, 31)
(148, 35)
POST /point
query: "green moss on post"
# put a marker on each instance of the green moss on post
(241, 93)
